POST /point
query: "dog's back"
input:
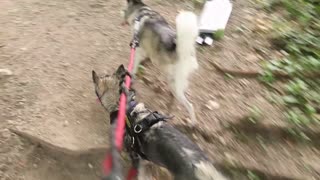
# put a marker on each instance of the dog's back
(166, 146)
(170, 148)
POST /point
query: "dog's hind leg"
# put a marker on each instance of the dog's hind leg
(178, 89)
(183, 99)
(139, 57)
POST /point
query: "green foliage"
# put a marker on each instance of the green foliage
(255, 114)
(218, 35)
(299, 135)
(141, 70)
(198, 3)
(252, 176)
(298, 34)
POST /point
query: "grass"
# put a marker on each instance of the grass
(252, 176)
(297, 34)
(254, 115)
(218, 35)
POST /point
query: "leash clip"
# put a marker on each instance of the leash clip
(136, 27)
(135, 42)
(137, 128)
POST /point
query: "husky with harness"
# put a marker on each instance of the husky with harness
(172, 50)
(149, 137)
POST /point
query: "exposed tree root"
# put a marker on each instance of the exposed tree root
(48, 146)
(234, 72)
(210, 137)
(276, 133)
(240, 172)
(254, 74)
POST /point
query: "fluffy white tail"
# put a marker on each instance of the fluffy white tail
(187, 32)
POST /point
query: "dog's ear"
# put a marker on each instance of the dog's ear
(121, 71)
(134, 1)
(95, 77)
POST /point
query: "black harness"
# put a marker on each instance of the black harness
(135, 130)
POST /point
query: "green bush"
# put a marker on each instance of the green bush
(299, 36)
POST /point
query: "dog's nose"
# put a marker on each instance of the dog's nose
(124, 23)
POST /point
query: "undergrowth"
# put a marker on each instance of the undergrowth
(297, 34)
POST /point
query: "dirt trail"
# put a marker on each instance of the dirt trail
(51, 48)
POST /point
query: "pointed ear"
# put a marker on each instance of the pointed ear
(95, 77)
(134, 1)
(121, 71)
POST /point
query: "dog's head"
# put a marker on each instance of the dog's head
(130, 12)
(107, 88)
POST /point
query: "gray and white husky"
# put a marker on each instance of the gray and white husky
(173, 51)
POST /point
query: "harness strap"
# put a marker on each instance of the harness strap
(148, 122)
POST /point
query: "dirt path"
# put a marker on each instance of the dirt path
(51, 48)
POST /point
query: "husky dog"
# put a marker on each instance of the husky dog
(173, 51)
(161, 143)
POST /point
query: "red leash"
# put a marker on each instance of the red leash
(120, 123)
(122, 106)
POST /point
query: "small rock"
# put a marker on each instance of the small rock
(249, 17)
(212, 96)
(23, 49)
(195, 136)
(72, 14)
(11, 122)
(5, 73)
(9, 160)
(229, 158)
(283, 52)
(222, 141)
(235, 35)
(90, 165)
(23, 83)
(66, 64)
(38, 116)
(35, 165)
(244, 82)
(211, 105)
(26, 23)
(252, 57)
(66, 123)
(262, 28)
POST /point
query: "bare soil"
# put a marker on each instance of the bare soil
(52, 128)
